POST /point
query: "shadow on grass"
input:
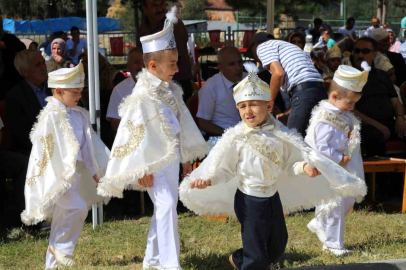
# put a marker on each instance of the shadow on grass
(23, 232)
(215, 261)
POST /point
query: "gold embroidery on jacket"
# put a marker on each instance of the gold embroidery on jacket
(264, 148)
(137, 134)
(335, 121)
(47, 154)
(136, 137)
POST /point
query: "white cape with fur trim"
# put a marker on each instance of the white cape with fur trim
(145, 142)
(53, 163)
(355, 166)
(296, 193)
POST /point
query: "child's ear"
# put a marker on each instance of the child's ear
(335, 95)
(58, 91)
(269, 107)
(152, 65)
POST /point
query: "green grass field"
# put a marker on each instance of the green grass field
(206, 244)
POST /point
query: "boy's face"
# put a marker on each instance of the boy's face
(166, 67)
(254, 112)
(334, 63)
(68, 96)
(345, 104)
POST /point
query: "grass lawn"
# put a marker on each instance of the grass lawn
(206, 244)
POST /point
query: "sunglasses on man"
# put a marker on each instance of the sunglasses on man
(363, 50)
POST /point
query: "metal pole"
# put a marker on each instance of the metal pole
(90, 56)
(270, 14)
(238, 28)
(97, 88)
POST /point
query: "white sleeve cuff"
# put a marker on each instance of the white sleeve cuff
(298, 168)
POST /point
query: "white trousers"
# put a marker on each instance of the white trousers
(67, 222)
(334, 223)
(163, 238)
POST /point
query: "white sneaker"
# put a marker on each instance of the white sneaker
(314, 228)
(337, 251)
(61, 258)
(148, 266)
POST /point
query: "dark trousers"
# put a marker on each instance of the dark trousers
(14, 166)
(304, 97)
(263, 231)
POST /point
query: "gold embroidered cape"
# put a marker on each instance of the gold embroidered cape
(145, 142)
(53, 163)
(296, 192)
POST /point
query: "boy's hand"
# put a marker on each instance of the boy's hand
(312, 172)
(96, 178)
(200, 184)
(187, 169)
(344, 161)
(146, 181)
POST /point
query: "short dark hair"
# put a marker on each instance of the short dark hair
(370, 40)
(317, 54)
(317, 21)
(350, 19)
(74, 28)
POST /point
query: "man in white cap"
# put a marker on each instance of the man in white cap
(156, 132)
(381, 36)
(253, 164)
(66, 160)
(334, 132)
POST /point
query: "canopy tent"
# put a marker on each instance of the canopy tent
(58, 24)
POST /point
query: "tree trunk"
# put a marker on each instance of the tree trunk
(379, 10)
(384, 11)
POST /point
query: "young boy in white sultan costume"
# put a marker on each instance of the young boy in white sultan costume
(334, 131)
(66, 161)
(254, 167)
(155, 134)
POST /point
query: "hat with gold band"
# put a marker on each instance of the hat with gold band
(252, 87)
(351, 78)
(67, 77)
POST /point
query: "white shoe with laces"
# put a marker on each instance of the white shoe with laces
(314, 228)
(337, 251)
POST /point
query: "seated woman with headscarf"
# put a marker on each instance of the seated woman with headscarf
(58, 56)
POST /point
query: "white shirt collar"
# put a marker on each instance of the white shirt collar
(59, 103)
(155, 81)
(327, 105)
(227, 82)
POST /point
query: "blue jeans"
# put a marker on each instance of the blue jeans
(303, 102)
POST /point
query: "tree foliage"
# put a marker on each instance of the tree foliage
(45, 9)
(294, 8)
(194, 10)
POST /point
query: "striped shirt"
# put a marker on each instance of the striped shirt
(297, 65)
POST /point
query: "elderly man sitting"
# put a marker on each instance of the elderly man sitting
(27, 98)
(381, 36)
(217, 110)
(379, 108)
(134, 64)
